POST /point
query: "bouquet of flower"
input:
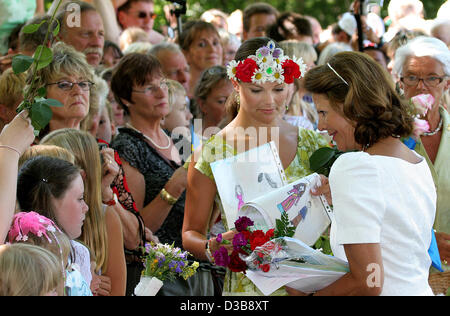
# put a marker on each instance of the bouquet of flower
(163, 262)
(273, 259)
(247, 240)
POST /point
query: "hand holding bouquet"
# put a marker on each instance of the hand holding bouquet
(163, 263)
(246, 240)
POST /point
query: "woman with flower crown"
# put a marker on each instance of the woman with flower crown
(260, 75)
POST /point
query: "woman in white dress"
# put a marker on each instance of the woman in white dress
(383, 194)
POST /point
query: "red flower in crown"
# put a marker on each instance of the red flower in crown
(291, 71)
(246, 69)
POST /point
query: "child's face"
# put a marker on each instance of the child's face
(180, 116)
(70, 210)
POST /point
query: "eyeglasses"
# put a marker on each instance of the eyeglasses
(144, 15)
(67, 85)
(152, 89)
(431, 81)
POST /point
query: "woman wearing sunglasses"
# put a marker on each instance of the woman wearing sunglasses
(67, 79)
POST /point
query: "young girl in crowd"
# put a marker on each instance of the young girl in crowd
(28, 270)
(33, 228)
(55, 189)
(102, 230)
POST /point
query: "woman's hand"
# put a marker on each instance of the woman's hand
(177, 183)
(149, 236)
(323, 188)
(110, 170)
(104, 287)
(19, 133)
(215, 245)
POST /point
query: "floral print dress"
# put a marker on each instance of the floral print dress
(216, 148)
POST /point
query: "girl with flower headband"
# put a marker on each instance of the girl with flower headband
(33, 228)
(259, 75)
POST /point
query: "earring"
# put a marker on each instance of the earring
(238, 99)
(287, 107)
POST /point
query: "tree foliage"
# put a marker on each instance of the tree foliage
(326, 11)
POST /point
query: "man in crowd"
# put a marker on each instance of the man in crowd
(139, 13)
(256, 18)
(84, 32)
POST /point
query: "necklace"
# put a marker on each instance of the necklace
(435, 131)
(151, 140)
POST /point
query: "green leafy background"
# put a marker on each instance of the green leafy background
(325, 11)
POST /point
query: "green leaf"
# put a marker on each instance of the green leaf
(57, 28)
(21, 63)
(52, 102)
(321, 157)
(40, 115)
(31, 28)
(42, 92)
(44, 56)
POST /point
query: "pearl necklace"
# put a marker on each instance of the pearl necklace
(435, 131)
(151, 140)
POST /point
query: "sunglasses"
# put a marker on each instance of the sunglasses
(144, 15)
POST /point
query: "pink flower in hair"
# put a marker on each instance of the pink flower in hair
(25, 223)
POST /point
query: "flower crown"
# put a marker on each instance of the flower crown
(25, 223)
(268, 65)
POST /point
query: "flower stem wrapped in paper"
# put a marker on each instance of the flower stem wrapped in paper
(163, 263)
(272, 259)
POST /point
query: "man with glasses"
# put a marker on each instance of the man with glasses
(139, 13)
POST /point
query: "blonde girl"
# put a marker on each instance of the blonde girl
(28, 270)
(102, 230)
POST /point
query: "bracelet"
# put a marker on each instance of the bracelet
(11, 148)
(110, 202)
(208, 252)
(166, 196)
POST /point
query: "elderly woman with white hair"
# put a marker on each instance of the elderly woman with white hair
(423, 66)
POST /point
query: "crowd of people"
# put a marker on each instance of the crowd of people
(126, 159)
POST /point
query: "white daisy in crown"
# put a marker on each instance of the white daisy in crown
(231, 69)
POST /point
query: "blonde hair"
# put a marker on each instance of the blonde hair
(176, 90)
(60, 246)
(47, 150)
(11, 87)
(132, 35)
(85, 149)
(97, 100)
(298, 107)
(28, 270)
(138, 47)
(66, 60)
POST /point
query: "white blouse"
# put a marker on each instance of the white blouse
(389, 201)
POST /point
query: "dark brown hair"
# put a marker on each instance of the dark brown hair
(256, 8)
(249, 47)
(369, 100)
(133, 69)
(190, 31)
(41, 179)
